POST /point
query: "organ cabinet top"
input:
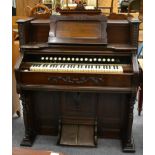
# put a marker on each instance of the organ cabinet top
(77, 78)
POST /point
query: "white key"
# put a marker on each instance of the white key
(58, 68)
(41, 68)
(83, 68)
(48, 69)
(102, 68)
(94, 68)
(66, 67)
(120, 69)
(31, 67)
(36, 68)
(112, 69)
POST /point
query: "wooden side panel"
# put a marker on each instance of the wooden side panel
(112, 114)
(40, 33)
(46, 111)
(118, 33)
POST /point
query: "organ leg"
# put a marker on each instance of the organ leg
(128, 141)
(28, 120)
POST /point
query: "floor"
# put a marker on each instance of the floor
(105, 146)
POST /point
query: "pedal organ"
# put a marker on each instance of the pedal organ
(77, 78)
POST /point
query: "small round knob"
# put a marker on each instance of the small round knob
(42, 58)
(99, 59)
(55, 58)
(81, 59)
(104, 60)
(108, 60)
(59, 58)
(77, 59)
(112, 60)
(86, 59)
(90, 60)
(46, 58)
(68, 59)
(64, 59)
(95, 59)
(73, 59)
(51, 58)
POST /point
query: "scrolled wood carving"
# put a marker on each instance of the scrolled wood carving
(76, 80)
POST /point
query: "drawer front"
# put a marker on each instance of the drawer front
(114, 80)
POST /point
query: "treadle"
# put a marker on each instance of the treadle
(77, 135)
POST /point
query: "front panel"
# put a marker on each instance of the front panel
(109, 109)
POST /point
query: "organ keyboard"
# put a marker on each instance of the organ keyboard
(78, 73)
(76, 68)
(59, 64)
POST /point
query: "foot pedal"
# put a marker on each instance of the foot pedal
(78, 135)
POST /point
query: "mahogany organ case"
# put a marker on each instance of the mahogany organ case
(77, 78)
